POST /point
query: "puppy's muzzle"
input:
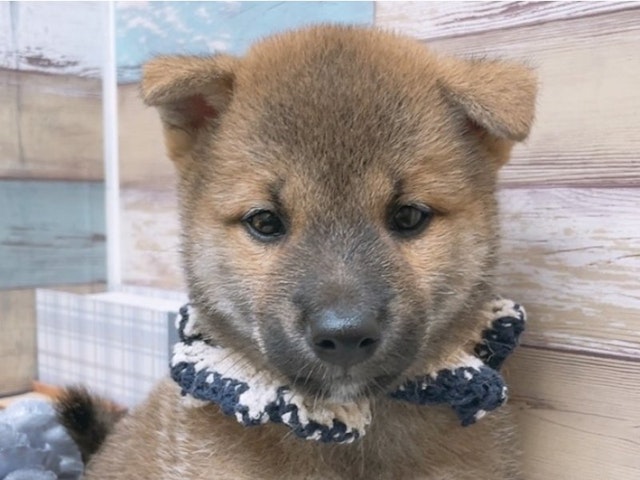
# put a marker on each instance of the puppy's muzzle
(343, 337)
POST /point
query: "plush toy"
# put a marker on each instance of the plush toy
(34, 446)
(470, 383)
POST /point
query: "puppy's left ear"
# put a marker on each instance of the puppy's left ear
(498, 98)
(190, 93)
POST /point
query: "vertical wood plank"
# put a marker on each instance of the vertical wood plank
(10, 141)
(151, 236)
(18, 345)
(17, 341)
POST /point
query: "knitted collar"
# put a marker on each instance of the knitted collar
(470, 383)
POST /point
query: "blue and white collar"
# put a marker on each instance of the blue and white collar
(470, 383)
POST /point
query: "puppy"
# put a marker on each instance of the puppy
(339, 230)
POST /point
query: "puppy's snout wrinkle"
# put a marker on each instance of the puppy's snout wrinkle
(344, 337)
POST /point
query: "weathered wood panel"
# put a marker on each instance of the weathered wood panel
(150, 238)
(586, 131)
(52, 37)
(51, 233)
(427, 20)
(50, 127)
(7, 57)
(18, 345)
(18, 340)
(579, 415)
(10, 141)
(68, 38)
(572, 257)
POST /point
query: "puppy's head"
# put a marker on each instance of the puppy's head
(337, 197)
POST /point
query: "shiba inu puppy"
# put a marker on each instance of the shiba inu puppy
(339, 231)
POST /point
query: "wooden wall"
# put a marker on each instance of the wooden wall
(52, 225)
(570, 200)
(571, 221)
(52, 228)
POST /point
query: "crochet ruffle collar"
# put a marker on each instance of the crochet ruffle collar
(471, 383)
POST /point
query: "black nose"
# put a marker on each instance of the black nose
(344, 338)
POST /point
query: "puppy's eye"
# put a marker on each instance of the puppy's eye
(264, 225)
(410, 220)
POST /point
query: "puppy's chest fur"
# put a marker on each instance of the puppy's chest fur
(163, 439)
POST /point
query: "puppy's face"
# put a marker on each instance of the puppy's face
(337, 198)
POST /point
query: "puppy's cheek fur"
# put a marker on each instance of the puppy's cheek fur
(228, 273)
(286, 351)
(450, 263)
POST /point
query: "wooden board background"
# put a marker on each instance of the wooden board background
(578, 414)
(18, 342)
(208, 27)
(51, 233)
(52, 227)
(50, 127)
(570, 204)
(52, 37)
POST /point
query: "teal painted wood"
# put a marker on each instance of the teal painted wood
(145, 29)
(51, 233)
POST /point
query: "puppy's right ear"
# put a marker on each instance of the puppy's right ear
(498, 99)
(190, 94)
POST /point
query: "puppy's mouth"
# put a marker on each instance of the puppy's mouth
(345, 387)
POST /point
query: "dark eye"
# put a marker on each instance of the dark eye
(264, 225)
(410, 220)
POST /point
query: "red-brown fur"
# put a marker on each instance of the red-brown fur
(338, 124)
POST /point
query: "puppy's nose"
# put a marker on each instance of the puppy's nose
(344, 338)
